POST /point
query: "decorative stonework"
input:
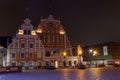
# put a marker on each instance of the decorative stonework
(54, 38)
(26, 48)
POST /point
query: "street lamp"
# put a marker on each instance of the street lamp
(79, 50)
(90, 51)
(64, 54)
(95, 53)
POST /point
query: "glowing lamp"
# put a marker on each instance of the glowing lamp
(39, 30)
(64, 53)
(62, 32)
(95, 53)
(20, 31)
(33, 32)
(90, 50)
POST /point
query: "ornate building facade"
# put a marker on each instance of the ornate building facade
(26, 48)
(58, 50)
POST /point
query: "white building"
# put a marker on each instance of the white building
(26, 48)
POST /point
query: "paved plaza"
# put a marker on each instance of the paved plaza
(66, 74)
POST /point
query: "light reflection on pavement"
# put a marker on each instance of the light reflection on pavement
(66, 74)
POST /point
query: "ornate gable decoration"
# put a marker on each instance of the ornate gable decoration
(26, 28)
(27, 24)
(27, 21)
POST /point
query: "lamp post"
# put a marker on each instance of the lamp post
(90, 54)
(95, 53)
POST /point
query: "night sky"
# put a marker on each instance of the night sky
(85, 21)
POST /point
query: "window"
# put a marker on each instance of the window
(13, 55)
(31, 45)
(70, 63)
(20, 32)
(47, 54)
(22, 45)
(30, 55)
(75, 62)
(54, 52)
(14, 64)
(39, 54)
(25, 32)
(28, 32)
(33, 32)
(22, 64)
(22, 55)
(30, 63)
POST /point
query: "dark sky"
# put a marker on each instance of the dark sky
(85, 21)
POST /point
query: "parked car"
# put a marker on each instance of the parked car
(50, 68)
(82, 66)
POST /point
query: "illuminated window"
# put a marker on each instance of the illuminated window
(33, 32)
(20, 31)
(39, 30)
(62, 31)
